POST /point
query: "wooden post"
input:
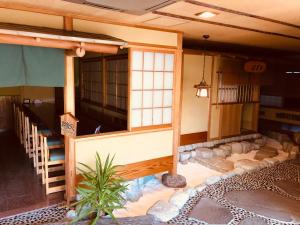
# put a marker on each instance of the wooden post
(69, 107)
(177, 104)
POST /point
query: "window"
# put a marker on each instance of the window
(111, 91)
(152, 76)
(117, 82)
(92, 80)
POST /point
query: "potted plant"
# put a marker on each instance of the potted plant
(101, 191)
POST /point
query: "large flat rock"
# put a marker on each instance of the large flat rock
(217, 163)
(266, 152)
(290, 187)
(266, 203)
(211, 212)
(253, 221)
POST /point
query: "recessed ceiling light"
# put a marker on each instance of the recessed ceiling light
(206, 14)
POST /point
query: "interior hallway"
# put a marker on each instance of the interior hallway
(20, 188)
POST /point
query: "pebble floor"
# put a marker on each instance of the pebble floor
(262, 179)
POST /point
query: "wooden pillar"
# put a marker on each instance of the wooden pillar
(69, 107)
(177, 103)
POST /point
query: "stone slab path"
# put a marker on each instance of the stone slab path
(257, 197)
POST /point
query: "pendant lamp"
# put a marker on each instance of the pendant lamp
(202, 87)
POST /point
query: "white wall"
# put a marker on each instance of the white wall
(195, 111)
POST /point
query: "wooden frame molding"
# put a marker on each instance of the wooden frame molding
(177, 103)
(193, 138)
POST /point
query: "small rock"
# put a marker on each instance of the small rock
(228, 175)
(263, 164)
(271, 161)
(279, 136)
(212, 180)
(78, 197)
(261, 142)
(236, 148)
(71, 214)
(200, 187)
(238, 171)
(219, 152)
(184, 162)
(174, 181)
(226, 147)
(184, 156)
(193, 154)
(273, 144)
(266, 152)
(190, 191)
(255, 146)
(134, 190)
(247, 164)
(192, 160)
(296, 138)
(246, 146)
(163, 211)
(204, 153)
(179, 198)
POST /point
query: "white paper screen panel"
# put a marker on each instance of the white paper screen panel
(152, 77)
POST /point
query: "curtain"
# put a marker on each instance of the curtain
(12, 71)
(31, 66)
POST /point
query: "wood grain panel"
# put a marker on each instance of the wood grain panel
(146, 168)
(141, 169)
(230, 123)
(192, 138)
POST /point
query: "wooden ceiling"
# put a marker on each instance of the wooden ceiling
(261, 23)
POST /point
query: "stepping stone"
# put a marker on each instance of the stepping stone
(267, 204)
(266, 152)
(247, 164)
(217, 163)
(252, 221)
(204, 153)
(290, 187)
(211, 212)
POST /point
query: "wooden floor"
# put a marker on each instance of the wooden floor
(20, 188)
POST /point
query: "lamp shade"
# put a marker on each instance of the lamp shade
(202, 89)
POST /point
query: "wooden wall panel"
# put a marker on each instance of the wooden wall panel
(230, 124)
(142, 169)
(187, 139)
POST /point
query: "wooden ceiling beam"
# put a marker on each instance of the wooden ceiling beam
(215, 7)
(52, 43)
(171, 15)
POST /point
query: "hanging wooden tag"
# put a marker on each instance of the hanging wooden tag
(68, 125)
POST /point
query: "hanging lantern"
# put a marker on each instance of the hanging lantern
(202, 87)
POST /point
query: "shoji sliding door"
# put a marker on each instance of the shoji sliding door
(152, 76)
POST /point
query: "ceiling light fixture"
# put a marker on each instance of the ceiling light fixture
(202, 87)
(206, 14)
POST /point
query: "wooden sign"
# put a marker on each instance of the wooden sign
(68, 125)
(255, 66)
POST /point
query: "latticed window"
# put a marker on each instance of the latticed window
(152, 76)
(117, 83)
(92, 81)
